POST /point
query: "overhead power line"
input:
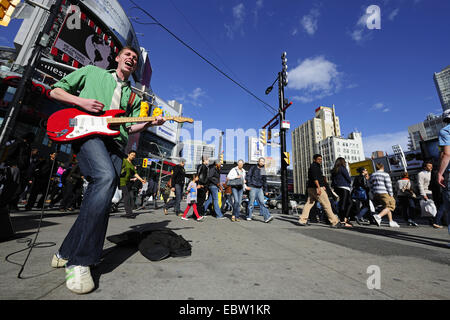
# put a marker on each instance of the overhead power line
(265, 104)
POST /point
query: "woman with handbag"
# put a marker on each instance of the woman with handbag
(406, 196)
(236, 179)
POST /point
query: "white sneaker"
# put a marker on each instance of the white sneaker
(393, 224)
(58, 262)
(183, 218)
(201, 218)
(377, 219)
(79, 279)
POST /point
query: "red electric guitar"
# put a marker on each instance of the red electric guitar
(72, 124)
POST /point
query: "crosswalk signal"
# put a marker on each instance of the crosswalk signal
(7, 8)
(262, 136)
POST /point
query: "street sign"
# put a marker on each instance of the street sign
(273, 125)
(285, 124)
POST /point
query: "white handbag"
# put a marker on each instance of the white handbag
(428, 208)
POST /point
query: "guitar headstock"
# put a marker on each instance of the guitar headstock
(181, 119)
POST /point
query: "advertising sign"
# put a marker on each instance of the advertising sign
(271, 166)
(85, 44)
(368, 164)
(413, 159)
(255, 149)
(169, 129)
(111, 13)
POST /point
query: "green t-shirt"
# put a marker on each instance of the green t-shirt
(127, 172)
(92, 82)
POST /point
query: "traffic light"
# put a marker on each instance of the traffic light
(262, 136)
(284, 72)
(144, 163)
(144, 109)
(7, 8)
(221, 158)
(287, 158)
(269, 135)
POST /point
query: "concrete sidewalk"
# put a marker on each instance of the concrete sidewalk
(244, 260)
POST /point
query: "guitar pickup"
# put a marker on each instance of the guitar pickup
(72, 123)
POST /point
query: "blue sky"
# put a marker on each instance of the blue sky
(380, 81)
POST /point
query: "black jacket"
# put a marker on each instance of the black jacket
(178, 175)
(214, 176)
(255, 178)
(315, 173)
(202, 171)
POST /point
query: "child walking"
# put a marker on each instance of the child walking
(192, 199)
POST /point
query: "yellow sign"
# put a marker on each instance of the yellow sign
(7, 8)
(287, 158)
(144, 163)
(368, 164)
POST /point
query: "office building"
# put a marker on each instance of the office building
(442, 82)
(322, 135)
(425, 130)
(193, 151)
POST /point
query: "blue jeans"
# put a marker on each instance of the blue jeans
(257, 193)
(213, 196)
(101, 165)
(237, 195)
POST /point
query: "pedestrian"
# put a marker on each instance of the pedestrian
(100, 159)
(43, 174)
(214, 187)
(423, 184)
(177, 184)
(143, 191)
(202, 184)
(406, 198)
(58, 186)
(381, 187)
(341, 183)
(360, 193)
(168, 195)
(444, 165)
(73, 181)
(192, 199)
(236, 180)
(257, 184)
(317, 192)
(127, 174)
(17, 155)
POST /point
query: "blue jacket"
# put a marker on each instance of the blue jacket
(341, 178)
(256, 178)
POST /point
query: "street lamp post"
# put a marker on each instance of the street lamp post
(163, 156)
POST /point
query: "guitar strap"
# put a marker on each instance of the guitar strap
(130, 104)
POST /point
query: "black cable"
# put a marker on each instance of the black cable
(203, 58)
(31, 245)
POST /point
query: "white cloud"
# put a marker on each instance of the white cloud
(193, 98)
(259, 5)
(393, 14)
(384, 142)
(317, 77)
(380, 107)
(310, 21)
(238, 21)
(359, 33)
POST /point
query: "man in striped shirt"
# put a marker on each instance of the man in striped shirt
(381, 187)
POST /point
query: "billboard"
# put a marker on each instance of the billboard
(255, 149)
(414, 160)
(271, 166)
(169, 129)
(368, 164)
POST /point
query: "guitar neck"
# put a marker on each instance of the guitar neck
(133, 119)
(120, 120)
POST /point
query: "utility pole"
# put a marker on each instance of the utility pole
(284, 157)
(41, 43)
